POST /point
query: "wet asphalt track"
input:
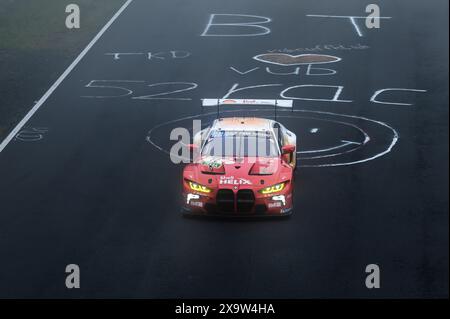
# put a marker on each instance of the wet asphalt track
(93, 191)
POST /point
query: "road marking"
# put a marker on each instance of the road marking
(344, 144)
(351, 18)
(343, 17)
(44, 98)
(388, 148)
(243, 72)
(373, 99)
(241, 24)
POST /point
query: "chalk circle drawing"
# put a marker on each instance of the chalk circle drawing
(31, 134)
(285, 59)
(325, 139)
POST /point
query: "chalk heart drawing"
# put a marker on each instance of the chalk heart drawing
(292, 60)
(325, 139)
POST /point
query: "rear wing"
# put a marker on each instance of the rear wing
(253, 102)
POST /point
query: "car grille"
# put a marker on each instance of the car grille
(242, 202)
(225, 200)
(245, 200)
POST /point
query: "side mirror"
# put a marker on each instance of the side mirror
(288, 149)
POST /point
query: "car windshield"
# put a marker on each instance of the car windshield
(240, 144)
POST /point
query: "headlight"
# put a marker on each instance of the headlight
(198, 187)
(273, 189)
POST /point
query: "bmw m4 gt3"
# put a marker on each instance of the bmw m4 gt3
(242, 167)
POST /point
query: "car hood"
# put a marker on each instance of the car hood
(249, 172)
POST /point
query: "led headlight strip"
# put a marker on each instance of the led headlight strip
(198, 188)
(273, 189)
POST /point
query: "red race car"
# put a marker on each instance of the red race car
(242, 167)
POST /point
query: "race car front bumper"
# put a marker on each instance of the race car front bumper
(237, 203)
(187, 211)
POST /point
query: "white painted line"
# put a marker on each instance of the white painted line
(355, 25)
(44, 98)
(343, 17)
(352, 20)
(243, 72)
(257, 25)
(344, 144)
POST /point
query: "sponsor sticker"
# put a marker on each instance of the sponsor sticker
(231, 180)
(196, 204)
(274, 205)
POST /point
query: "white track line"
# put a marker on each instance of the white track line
(344, 17)
(44, 98)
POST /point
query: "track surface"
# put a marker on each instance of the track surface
(93, 191)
